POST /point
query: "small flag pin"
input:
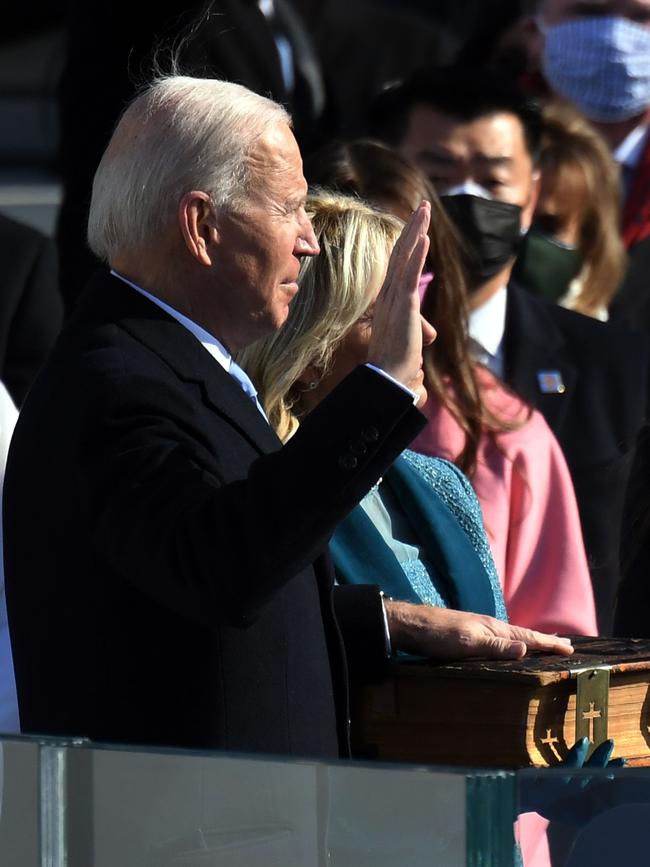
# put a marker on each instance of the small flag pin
(550, 382)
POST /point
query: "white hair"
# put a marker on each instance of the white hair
(180, 134)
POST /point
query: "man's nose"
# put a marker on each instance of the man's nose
(306, 243)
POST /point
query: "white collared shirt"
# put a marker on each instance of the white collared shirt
(486, 327)
(629, 153)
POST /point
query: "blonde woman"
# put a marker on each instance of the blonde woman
(506, 448)
(419, 534)
(574, 253)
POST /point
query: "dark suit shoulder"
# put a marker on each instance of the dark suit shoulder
(589, 343)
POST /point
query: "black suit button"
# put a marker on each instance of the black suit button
(370, 434)
(348, 462)
(358, 448)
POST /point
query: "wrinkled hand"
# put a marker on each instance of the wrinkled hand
(398, 329)
(440, 633)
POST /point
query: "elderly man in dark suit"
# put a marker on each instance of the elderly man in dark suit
(477, 138)
(166, 560)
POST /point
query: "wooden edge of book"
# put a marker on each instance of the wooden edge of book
(507, 714)
(617, 654)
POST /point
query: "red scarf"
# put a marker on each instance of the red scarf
(636, 212)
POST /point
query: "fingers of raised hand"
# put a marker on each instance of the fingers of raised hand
(415, 264)
(413, 234)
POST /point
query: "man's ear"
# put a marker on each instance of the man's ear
(198, 224)
(529, 209)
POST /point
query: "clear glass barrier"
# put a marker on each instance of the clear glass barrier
(598, 818)
(67, 804)
(19, 804)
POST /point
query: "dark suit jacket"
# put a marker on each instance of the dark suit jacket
(632, 618)
(167, 573)
(605, 372)
(631, 306)
(31, 308)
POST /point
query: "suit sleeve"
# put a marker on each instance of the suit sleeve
(170, 520)
(631, 619)
(360, 616)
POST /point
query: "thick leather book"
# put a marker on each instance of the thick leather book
(510, 714)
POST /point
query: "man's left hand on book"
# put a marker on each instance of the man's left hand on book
(441, 633)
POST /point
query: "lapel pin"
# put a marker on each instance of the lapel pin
(550, 382)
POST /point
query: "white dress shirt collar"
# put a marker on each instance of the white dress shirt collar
(630, 150)
(486, 327)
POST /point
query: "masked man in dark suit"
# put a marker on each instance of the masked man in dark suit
(166, 560)
(477, 139)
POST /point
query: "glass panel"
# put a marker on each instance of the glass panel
(19, 804)
(169, 810)
(104, 806)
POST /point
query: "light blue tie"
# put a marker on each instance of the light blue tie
(247, 386)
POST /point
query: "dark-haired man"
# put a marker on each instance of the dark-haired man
(476, 139)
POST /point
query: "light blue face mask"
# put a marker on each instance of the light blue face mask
(600, 64)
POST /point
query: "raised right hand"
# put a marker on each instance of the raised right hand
(399, 331)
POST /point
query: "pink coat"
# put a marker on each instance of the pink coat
(530, 512)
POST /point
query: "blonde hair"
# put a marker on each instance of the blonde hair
(579, 158)
(336, 289)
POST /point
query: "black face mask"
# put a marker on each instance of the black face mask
(491, 231)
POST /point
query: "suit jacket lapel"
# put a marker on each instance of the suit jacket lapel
(534, 344)
(109, 297)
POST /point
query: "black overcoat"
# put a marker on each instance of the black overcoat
(167, 573)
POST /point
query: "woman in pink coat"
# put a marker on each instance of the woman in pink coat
(529, 509)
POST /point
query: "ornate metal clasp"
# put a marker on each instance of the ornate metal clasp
(592, 704)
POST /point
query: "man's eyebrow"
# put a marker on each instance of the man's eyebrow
(494, 161)
(296, 201)
(441, 158)
(437, 157)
